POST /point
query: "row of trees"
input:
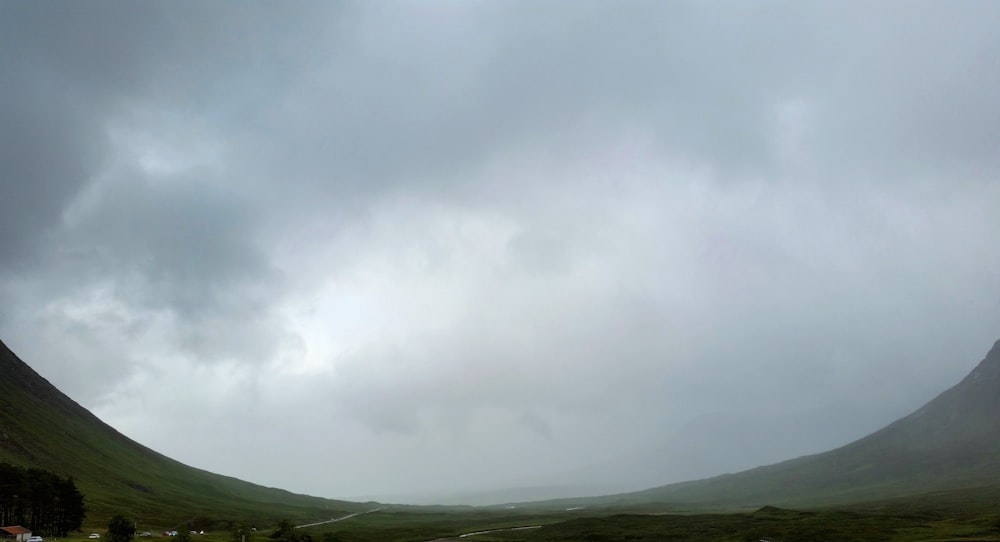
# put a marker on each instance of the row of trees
(122, 529)
(39, 500)
(285, 532)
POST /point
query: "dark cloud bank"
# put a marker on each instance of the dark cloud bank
(465, 246)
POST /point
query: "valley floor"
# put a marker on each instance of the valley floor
(901, 522)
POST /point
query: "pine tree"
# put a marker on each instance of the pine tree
(121, 529)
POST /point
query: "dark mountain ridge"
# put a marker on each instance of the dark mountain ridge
(42, 427)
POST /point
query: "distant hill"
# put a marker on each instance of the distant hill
(952, 442)
(42, 427)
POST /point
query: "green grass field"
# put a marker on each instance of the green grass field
(959, 515)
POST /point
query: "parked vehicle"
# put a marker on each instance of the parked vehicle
(35, 538)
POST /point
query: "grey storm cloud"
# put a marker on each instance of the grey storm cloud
(527, 242)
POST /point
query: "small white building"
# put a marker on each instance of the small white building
(15, 533)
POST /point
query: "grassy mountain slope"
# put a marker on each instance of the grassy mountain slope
(951, 442)
(42, 427)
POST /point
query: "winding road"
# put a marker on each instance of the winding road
(474, 533)
(447, 539)
(334, 520)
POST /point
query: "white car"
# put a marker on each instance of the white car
(94, 535)
(35, 538)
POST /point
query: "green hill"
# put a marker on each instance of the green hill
(948, 449)
(952, 442)
(41, 427)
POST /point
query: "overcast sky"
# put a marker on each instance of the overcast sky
(385, 248)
